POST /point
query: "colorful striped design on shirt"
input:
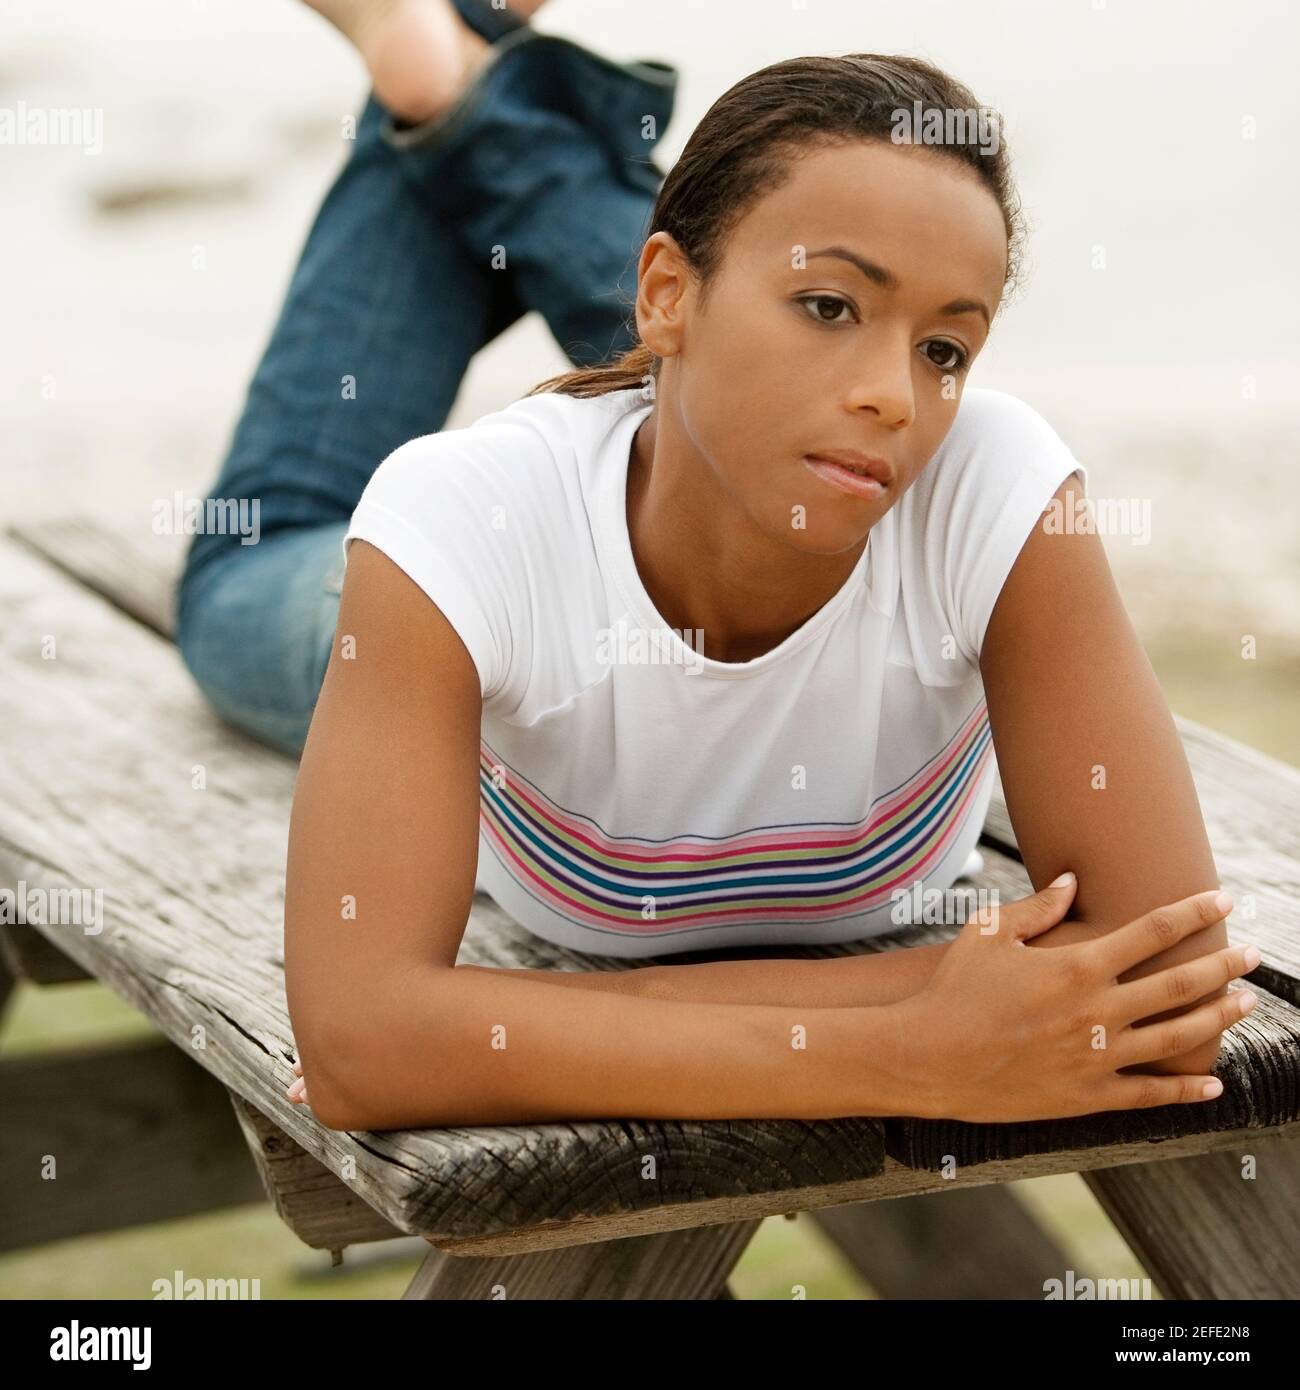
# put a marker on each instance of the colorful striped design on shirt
(817, 872)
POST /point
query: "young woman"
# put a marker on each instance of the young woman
(705, 644)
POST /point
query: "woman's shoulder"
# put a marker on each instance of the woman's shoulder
(553, 421)
(990, 420)
(966, 517)
(534, 447)
(494, 521)
(997, 444)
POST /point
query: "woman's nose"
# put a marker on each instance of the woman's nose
(882, 384)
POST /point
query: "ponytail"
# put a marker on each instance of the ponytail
(638, 367)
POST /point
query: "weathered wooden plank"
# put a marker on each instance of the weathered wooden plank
(1218, 1226)
(972, 1243)
(193, 883)
(896, 1180)
(1250, 803)
(1259, 1067)
(105, 1138)
(131, 787)
(35, 958)
(318, 1207)
(7, 983)
(120, 558)
(691, 1264)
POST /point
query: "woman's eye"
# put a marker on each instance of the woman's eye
(951, 358)
(820, 304)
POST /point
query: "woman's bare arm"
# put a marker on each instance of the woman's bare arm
(380, 878)
(844, 982)
(1092, 766)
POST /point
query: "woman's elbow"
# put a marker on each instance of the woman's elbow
(335, 1093)
(367, 1067)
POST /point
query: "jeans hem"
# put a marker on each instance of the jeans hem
(660, 78)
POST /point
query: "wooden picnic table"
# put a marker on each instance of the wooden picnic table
(118, 778)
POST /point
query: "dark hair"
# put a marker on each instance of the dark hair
(745, 144)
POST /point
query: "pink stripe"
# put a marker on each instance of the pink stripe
(678, 850)
(588, 914)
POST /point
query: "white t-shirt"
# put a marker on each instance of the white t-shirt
(638, 798)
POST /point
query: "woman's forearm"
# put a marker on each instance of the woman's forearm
(479, 1047)
(857, 981)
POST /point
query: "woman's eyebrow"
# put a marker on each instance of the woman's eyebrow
(887, 280)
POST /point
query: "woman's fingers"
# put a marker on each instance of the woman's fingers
(1154, 932)
(1173, 1036)
(1178, 985)
(1142, 1092)
(1028, 917)
(296, 1090)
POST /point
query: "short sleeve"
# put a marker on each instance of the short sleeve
(436, 512)
(976, 503)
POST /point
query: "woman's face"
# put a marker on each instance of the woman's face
(843, 316)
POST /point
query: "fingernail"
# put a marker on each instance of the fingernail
(1251, 957)
(1223, 903)
(1212, 1089)
(1066, 878)
(297, 1087)
(1247, 999)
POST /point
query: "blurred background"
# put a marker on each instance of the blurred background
(1154, 151)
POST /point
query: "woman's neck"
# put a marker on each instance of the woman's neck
(704, 562)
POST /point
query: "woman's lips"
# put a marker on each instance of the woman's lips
(858, 484)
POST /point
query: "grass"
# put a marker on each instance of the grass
(1253, 701)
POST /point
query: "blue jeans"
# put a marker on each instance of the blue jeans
(545, 158)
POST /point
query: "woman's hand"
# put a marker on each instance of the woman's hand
(1004, 1033)
(297, 1090)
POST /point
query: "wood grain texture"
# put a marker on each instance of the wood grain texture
(895, 1180)
(692, 1264)
(136, 1133)
(1259, 1067)
(1215, 1226)
(192, 883)
(109, 735)
(120, 558)
(320, 1209)
(35, 958)
(8, 980)
(971, 1243)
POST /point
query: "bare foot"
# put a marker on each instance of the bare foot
(420, 54)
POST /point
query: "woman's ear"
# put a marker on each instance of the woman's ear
(663, 294)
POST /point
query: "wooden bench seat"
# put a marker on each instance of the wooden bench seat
(119, 778)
